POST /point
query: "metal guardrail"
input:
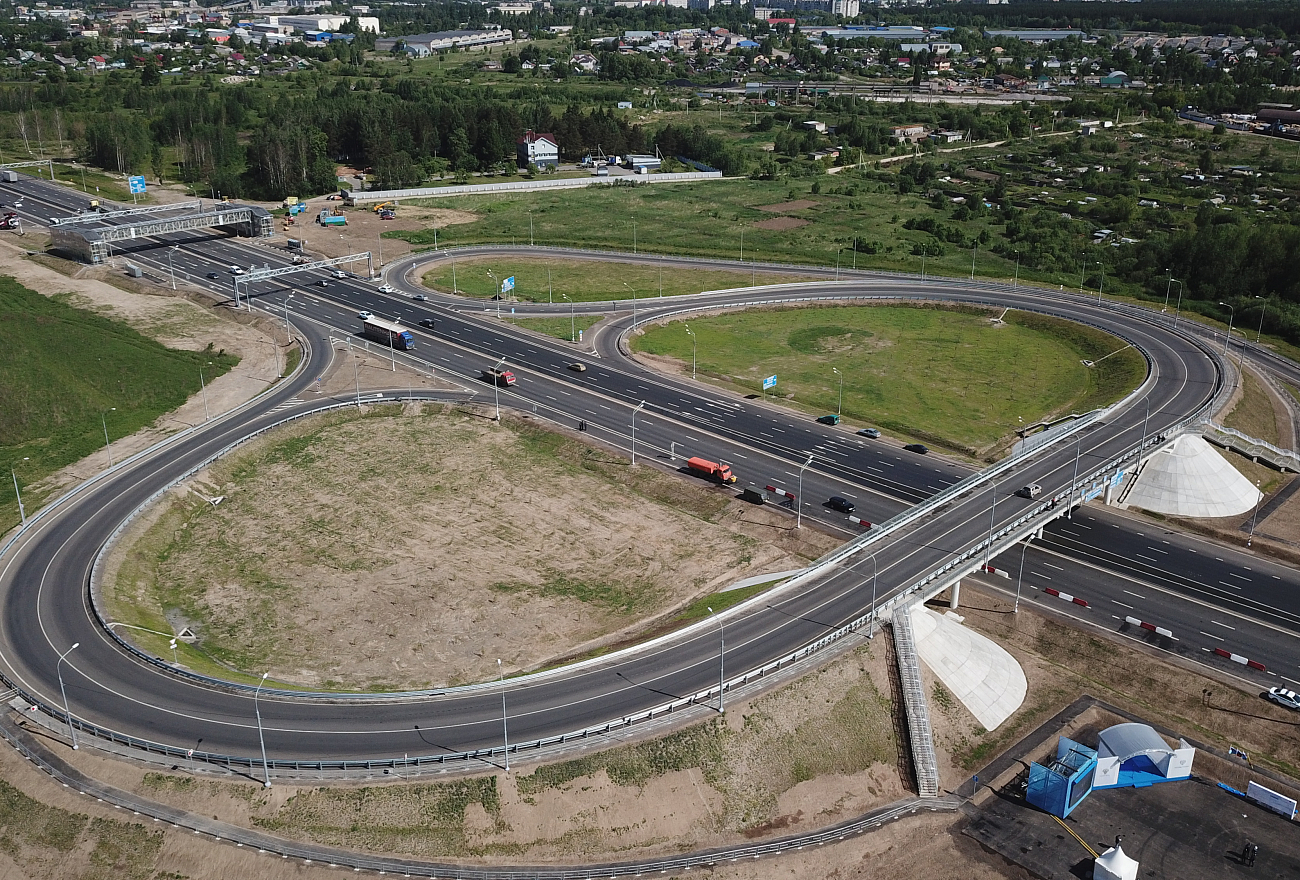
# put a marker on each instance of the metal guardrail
(917, 706)
(356, 197)
(1230, 438)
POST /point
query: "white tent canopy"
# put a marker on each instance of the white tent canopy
(1114, 865)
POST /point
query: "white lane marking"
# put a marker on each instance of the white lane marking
(1045, 577)
(1233, 574)
(1224, 625)
(1234, 586)
(1158, 550)
(1210, 635)
(1147, 558)
(1121, 604)
(1057, 567)
(1131, 593)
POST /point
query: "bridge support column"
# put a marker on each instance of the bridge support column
(954, 594)
(1039, 534)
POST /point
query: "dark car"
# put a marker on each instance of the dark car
(918, 448)
(843, 505)
(213, 275)
(322, 283)
(427, 322)
(869, 432)
(419, 297)
(831, 419)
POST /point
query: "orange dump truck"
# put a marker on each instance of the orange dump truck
(705, 468)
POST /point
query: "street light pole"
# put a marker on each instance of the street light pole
(1232, 315)
(1021, 579)
(633, 290)
(875, 570)
(839, 407)
(636, 410)
(1074, 483)
(103, 420)
(1250, 539)
(170, 266)
(505, 728)
(496, 386)
(993, 513)
(798, 510)
(1102, 286)
(266, 768)
(530, 229)
(67, 713)
(1179, 307)
(1015, 283)
(1169, 279)
(693, 341)
(722, 659)
(573, 322)
(1262, 310)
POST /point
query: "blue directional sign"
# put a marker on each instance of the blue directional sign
(137, 184)
(508, 285)
(769, 383)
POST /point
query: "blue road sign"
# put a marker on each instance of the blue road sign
(769, 383)
(137, 184)
(508, 285)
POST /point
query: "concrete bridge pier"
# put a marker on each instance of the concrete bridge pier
(954, 594)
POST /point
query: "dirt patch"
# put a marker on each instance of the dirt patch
(364, 229)
(530, 544)
(781, 224)
(814, 752)
(786, 207)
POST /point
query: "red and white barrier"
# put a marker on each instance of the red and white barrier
(861, 522)
(1150, 627)
(997, 571)
(1237, 658)
(1066, 596)
(779, 491)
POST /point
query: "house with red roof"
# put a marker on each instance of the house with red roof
(542, 150)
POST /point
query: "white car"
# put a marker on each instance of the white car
(235, 270)
(365, 316)
(338, 273)
(1284, 698)
(387, 288)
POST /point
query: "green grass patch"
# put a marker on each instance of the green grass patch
(719, 219)
(561, 328)
(95, 184)
(623, 597)
(549, 281)
(1254, 414)
(67, 375)
(36, 836)
(947, 374)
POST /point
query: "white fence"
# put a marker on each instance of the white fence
(440, 192)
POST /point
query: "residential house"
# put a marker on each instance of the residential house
(542, 150)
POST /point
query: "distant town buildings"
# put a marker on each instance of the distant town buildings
(423, 45)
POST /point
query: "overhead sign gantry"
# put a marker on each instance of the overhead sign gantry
(257, 275)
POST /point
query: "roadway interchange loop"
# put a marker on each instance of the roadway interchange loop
(44, 578)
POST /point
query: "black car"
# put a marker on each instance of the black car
(427, 322)
(213, 275)
(843, 505)
(918, 448)
(322, 283)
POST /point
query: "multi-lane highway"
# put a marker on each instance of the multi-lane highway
(44, 578)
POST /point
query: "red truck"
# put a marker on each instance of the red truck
(498, 377)
(711, 469)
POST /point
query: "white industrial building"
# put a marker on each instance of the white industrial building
(322, 22)
(421, 45)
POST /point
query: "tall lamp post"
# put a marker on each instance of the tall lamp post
(993, 512)
(67, 713)
(798, 510)
(1021, 579)
(22, 514)
(1015, 282)
(1074, 483)
(496, 386)
(693, 342)
(169, 264)
(1179, 307)
(1251, 539)
(636, 410)
(1263, 308)
(496, 292)
(722, 659)
(103, 420)
(630, 288)
(286, 315)
(839, 407)
(871, 631)
(1102, 285)
(1232, 316)
(266, 767)
(573, 322)
(505, 729)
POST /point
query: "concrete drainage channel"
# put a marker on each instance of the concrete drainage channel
(309, 854)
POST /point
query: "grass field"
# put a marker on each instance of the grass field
(717, 219)
(949, 375)
(68, 376)
(561, 328)
(548, 280)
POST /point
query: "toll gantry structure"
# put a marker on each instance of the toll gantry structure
(91, 236)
